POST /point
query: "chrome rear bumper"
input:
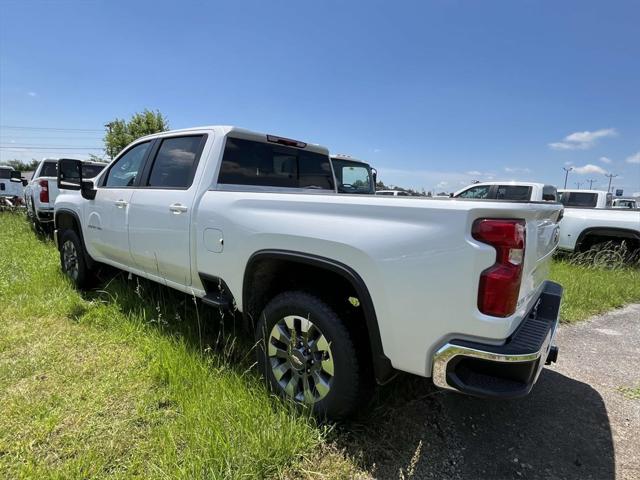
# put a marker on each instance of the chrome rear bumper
(509, 370)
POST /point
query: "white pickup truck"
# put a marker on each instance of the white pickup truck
(11, 185)
(41, 192)
(590, 220)
(525, 191)
(340, 290)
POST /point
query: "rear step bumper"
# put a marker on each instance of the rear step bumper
(509, 370)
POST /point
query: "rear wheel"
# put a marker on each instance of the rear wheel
(73, 261)
(306, 354)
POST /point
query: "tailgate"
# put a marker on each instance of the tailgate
(543, 233)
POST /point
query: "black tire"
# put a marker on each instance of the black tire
(348, 383)
(73, 260)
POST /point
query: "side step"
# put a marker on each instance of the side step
(217, 300)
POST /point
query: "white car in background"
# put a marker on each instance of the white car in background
(631, 203)
(518, 191)
(41, 192)
(11, 185)
(590, 220)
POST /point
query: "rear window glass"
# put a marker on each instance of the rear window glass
(579, 199)
(90, 171)
(5, 173)
(247, 162)
(513, 192)
(49, 169)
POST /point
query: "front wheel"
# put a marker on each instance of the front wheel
(306, 354)
(73, 261)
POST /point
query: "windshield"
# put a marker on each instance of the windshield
(353, 177)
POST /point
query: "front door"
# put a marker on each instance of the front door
(107, 216)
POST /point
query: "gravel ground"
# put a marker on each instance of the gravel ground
(576, 424)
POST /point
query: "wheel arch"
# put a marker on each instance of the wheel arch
(607, 232)
(252, 305)
(65, 219)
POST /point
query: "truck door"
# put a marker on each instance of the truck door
(106, 216)
(162, 207)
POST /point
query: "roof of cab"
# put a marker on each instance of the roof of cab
(575, 190)
(238, 132)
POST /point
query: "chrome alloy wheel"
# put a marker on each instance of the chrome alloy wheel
(301, 359)
(70, 259)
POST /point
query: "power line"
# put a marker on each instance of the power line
(52, 128)
(42, 147)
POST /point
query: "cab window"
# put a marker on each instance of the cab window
(478, 192)
(124, 172)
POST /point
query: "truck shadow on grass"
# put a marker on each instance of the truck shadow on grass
(561, 430)
(411, 429)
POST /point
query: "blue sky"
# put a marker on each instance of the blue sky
(434, 94)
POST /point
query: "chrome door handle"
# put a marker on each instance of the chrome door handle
(177, 208)
(120, 203)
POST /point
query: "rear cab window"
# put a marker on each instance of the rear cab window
(255, 163)
(579, 199)
(49, 169)
(91, 170)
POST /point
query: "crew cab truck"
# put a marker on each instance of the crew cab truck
(353, 176)
(11, 185)
(41, 192)
(339, 290)
(590, 221)
(525, 191)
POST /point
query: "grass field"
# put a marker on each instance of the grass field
(137, 381)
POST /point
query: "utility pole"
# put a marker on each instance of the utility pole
(566, 174)
(109, 125)
(578, 184)
(591, 182)
(610, 176)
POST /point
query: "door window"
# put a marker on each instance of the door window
(125, 171)
(176, 162)
(481, 191)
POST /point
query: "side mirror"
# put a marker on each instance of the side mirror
(24, 181)
(451, 195)
(15, 176)
(69, 174)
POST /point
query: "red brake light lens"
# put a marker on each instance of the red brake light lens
(44, 191)
(286, 141)
(500, 284)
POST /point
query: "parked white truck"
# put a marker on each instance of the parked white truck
(525, 191)
(339, 289)
(11, 185)
(41, 192)
(589, 220)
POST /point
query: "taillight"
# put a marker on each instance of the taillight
(44, 191)
(500, 283)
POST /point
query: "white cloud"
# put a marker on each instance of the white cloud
(474, 173)
(634, 158)
(582, 140)
(589, 168)
(32, 94)
(517, 170)
(568, 163)
(605, 159)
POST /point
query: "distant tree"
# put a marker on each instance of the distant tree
(121, 133)
(96, 158)
(23, 166)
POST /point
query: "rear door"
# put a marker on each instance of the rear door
(161, 209)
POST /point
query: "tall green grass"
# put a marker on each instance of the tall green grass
(590, 289)
(130, 381)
